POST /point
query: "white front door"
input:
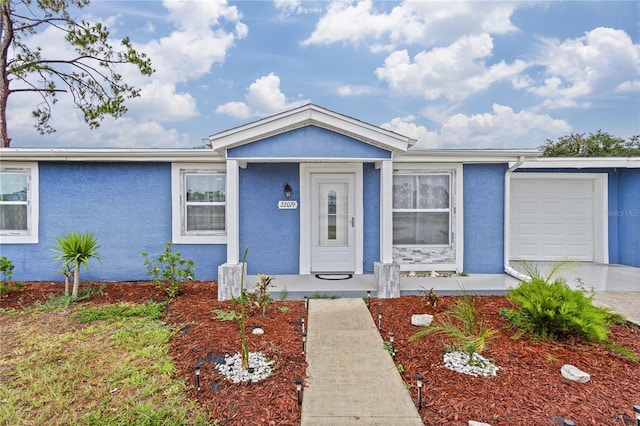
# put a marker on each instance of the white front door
(332, 222)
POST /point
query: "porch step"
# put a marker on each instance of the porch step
(351, 379)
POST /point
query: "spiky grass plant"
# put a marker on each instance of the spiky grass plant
(76, 250)
(465, 331)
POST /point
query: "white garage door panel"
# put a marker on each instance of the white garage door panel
(551, 219)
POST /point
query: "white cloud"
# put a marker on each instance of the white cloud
(410, 22)
(405, 126)
(159, 101)
(205, 31)
(454, 72)
(579, 70)
(263, 98)
(354, 90)
(502, 128)
(235, 109)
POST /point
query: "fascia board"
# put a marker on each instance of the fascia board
(465, 156)
(109, 154)
(582, 163)
(305, 116)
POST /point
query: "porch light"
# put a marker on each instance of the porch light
(304, 343)
(379, 320)
(419, 384)
(198, 377)
(636, 409)
(299, 390)
(302, 323)
(287, 191)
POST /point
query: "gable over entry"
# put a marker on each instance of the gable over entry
(339, 170)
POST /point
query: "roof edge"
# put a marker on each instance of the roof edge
(110, 154)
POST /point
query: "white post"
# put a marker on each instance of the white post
(386, 212)
(232, 212)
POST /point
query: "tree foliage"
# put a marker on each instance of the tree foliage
(600, 144)
(89, 75)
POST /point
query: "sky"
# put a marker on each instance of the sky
(474, 75)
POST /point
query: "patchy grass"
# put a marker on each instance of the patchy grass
(90, 365)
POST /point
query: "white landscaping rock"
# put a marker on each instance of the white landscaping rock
(574, 374)
(258, 331)
(480, 366)
(421, 320)
(474, 423)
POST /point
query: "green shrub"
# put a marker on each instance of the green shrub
(169, 270)
(549, 308)
(553, 309)
(6, 269)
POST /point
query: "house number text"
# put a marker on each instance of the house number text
(288, 204)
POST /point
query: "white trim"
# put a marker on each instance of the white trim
(308, 159)
(600, 201)
(582, 163)
(309, 115)
(466, 156)
(177, 237)
(112, 154)
(386, 212)
(233, 212)
(30, 236)
(306, 169)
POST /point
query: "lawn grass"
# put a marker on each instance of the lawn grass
(81, 364)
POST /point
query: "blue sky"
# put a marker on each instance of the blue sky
(450, 74)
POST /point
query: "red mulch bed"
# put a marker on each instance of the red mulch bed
(528, 389)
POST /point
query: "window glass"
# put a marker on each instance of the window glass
(205, 202)
(13, 201)
(421, 209)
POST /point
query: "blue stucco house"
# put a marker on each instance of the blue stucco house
(313, 191)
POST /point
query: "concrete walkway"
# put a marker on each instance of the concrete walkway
(351, 379)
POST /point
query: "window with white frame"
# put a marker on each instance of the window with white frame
(19, 203)
(204, 202)
(422, 209)
(199, 205)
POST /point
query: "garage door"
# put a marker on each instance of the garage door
(552, 219)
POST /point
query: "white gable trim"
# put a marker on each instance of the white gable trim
(309, 115)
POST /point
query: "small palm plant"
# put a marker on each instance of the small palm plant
(461, 325)
(75, 250)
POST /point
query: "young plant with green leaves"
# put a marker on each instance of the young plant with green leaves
(169, 270)
(461, 326)
(6, 269)
(261, 297)
(242, 318)
(75, 250)
(549, 308)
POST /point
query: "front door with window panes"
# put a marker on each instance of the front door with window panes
(332, 222)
